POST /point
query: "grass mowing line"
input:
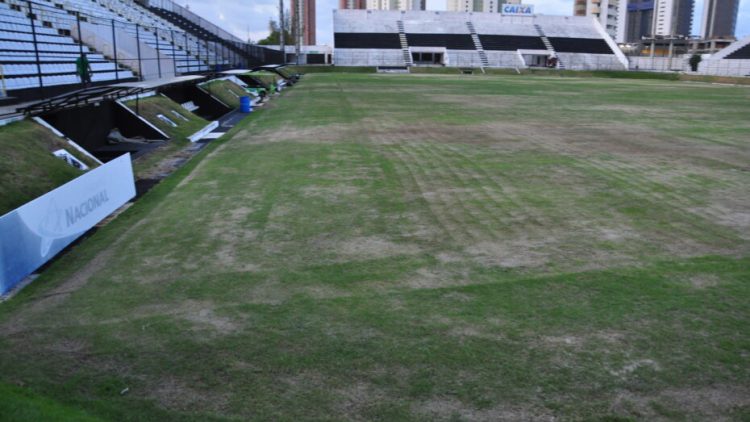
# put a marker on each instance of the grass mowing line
(440, 151)
(499, 194)
(478, 209)
(449, 196)
(449, 221)
(696, 225)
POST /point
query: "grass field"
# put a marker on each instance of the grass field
(404, 247)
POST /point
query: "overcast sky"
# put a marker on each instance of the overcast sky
(250, 17)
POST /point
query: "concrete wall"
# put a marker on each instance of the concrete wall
(385, 22)
(725, 67)
(368, 57)
(660, 64)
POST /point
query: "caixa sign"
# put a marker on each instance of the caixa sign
(517, 9)
(34, 233)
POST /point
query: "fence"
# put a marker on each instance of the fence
(659, 64)
(725, 67)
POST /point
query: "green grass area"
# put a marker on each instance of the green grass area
(19, 405)
(27, 167)
(149, 108)
(420, 247)
(226, 91)
(330, 69)
(620, 74)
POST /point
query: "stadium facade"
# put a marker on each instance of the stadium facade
(733, 60)
(458, 39)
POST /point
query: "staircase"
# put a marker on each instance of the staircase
(548, 45)
(478, 45)
(404, 44)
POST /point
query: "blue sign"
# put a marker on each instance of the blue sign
(643, 5)
(517, 9)
(34, 233)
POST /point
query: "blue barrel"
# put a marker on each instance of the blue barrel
(245, 105)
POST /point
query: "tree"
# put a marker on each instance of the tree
(273, 37)
(695, 60)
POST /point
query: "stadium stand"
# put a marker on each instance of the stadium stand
(50, 61)
(124, 40)
(373, 38)
(733, 60)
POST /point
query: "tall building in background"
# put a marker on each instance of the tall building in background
(396, 4)
(485, 6)
(662, 18)
(674, 17)
(605, 11)
(639, 18)
(719, 18)
(352, 4)
(303, 16)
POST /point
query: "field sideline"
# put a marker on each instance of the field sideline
(417, 247)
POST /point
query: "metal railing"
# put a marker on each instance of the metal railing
(173, 7)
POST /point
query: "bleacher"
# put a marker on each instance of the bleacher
(449, 41)
(190, 53)
(741, 53)
(367, 40)
(472, 39)
(511, 42)
(39, 47)
(56, 53)
(733, 60)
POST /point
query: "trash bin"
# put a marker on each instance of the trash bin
(246, 106)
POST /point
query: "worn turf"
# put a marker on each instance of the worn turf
(420, 247)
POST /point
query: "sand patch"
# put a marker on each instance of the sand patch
(631, 367)
(374, 247)
(713, 403)
(330, 133)
(703, 281)
(174, 394)
(511, 254)
(334, 193)
(448, 408)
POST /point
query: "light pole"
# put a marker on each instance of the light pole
(281, 31)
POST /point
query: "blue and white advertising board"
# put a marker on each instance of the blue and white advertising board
(517, 9)
(34, 233)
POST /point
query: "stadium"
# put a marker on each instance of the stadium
(464, 216)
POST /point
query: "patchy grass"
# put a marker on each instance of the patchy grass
(149, 108)
(413, 247)
(227, 91)
(27, 167)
